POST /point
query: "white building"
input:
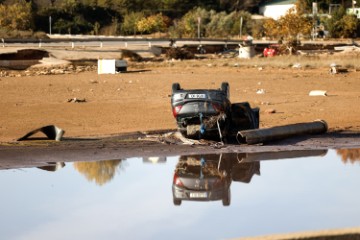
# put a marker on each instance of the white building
(276, 8)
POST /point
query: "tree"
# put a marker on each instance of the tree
(288, 26)
(129, 25)
(151, 24)
(16, 16)
(101, 172)
(342, 25)
(190, 22)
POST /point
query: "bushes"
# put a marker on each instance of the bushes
(22, 34)
(17, 16)
(342, 25)
(288, 27)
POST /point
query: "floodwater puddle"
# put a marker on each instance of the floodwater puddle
(216, 196)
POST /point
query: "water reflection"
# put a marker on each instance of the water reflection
(100, 172)
(349, 155)
(52, 166)
(304, 194)
(154, 160)
(208, 177)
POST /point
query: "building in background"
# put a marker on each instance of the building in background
(277, 8)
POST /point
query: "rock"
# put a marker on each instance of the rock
(270, 111)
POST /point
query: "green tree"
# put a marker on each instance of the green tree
(288, 27)
(151, 24)
(342, 25)
(16, 16)
(129, 25)
(192, 20)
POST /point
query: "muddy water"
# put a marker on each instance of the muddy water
(135, 198)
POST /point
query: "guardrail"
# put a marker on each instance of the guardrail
(109, 41)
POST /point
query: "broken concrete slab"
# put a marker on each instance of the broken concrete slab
(51, 131)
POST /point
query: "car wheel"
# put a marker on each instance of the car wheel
(226, 89)
(177, 202)
(175, 87)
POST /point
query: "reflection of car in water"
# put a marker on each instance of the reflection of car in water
(208, 177)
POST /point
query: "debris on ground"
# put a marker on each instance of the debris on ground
(179, 53)
(296, 65)
(270, 111)
(337, 69)
(260, 91)
(76, 100)
(51, 131)
(318, 93)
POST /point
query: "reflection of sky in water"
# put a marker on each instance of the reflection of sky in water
(311, 193)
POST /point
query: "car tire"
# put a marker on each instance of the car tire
(175, 87)
(226, 89)
(177, 202)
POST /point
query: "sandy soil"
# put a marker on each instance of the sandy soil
(140, 100)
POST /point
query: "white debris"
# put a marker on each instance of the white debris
(318, 93)
(260, 91)
(76, 100)
(296, 65)
(333, 70)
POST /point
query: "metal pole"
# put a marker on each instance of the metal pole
(50, 25)
(199, 23)
(241, 23)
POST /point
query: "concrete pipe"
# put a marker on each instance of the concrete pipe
(255, 136)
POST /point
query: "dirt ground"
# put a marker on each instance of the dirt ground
(140, 100)
(129, 104)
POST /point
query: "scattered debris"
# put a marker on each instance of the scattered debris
(255, 136)
(51, 131)
(347, 48)
(130, 55)
(296, 65)
(318, 93)
(336, 69)
(111, 66)
(52, 166)
(265, 103)
(179, 53)
(261, 91)
(76, 100)
(270, 111)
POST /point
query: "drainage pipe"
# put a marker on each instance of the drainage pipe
(255, 136)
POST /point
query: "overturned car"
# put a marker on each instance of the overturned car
(208, 113)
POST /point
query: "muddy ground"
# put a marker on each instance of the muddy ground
(126, 115)
(138, 102)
